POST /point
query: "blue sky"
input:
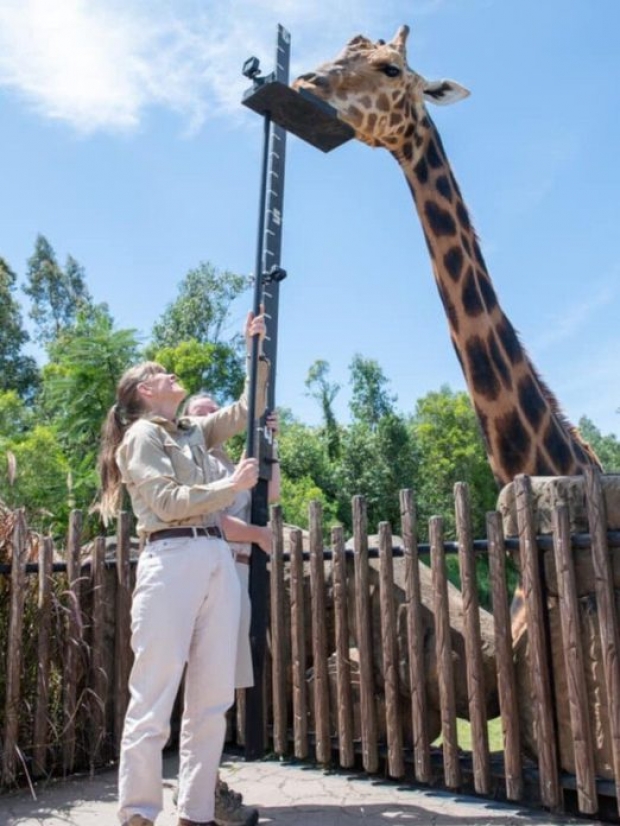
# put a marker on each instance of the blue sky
(125, 144)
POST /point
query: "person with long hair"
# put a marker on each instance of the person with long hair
(185, 606)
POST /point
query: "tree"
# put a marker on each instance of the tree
(451, 449)
(204, 366)
(17, 371)
(79, 387)
(325, 393)
(201, 309)
(370, 400)
(607, 448)
(57, 295)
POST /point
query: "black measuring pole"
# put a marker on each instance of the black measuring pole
(268, 275)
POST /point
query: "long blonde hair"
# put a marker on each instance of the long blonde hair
(127, 409)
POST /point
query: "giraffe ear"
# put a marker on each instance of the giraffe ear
(443, 92)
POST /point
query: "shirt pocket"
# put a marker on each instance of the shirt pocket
(186, 470)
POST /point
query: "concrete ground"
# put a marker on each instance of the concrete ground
(285, 794)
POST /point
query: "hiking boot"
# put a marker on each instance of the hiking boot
(229, 808)
(138, 820)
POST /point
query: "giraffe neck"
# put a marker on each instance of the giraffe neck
(523, 428)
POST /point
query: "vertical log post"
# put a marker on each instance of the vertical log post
(298, 648)
(608, 621)
(415, 633)
(551, 792)
(319, 637)
(122, 644)
(346, 753)
(451, 767)
(99, 678)
(44, 626)
(506, 681)
(368, 710)
(473, 643)
(74, 645)
(14, 649)
(574, 663)
(278, 630)
(394, 728)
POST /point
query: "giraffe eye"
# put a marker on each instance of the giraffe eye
(390, 69)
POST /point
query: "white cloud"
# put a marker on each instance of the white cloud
(100, 64)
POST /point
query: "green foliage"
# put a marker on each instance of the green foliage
(370, 400)
(377, 461)
(42, 479)
(296, 495)
(607, 448)
(57, 295)
(325, 393)
(78, 389)
(201, 309)
(445, 431)
(15, 416)
(213, 368)
(18, 372)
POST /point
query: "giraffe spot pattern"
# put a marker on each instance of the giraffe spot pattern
(453, 318)
(383, 103)
(531, 401)
(371, 121)
(453, 262)
(510, 342)
(487, 292)
(442, 185)
(458, 353)
(542, 467)
(478, 254)
(556, 445)
(433, 157)
(421, 171)
(462, 214)
(407, 151)
(470, 296)
(499, 361)
(465, 244)
(513, 442)
(440, 220)
(483, 420)
(483, 376)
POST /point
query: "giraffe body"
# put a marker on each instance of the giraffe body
(375, 91)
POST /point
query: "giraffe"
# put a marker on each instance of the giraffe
(383, 100)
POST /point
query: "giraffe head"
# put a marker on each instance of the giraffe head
(375, 92)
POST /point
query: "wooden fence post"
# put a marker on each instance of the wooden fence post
(473, 643)
(319, 637)
(551, 793)
(122, 646)
(278, 630)
(368, 711)
(574, 663)
(506, 681)
(415, 634)
(346, 754)
(443, 641)
(73, 647)
(394, 726)
(14, 649)
(608, 621)
(99, 678)
(298, 648)
(44, 626)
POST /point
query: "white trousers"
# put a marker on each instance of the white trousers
(185, 610)
(244, 670)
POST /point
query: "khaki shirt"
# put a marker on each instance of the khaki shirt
(170, 475)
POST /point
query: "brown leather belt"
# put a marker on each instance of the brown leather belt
(243, 560)
(174, 533)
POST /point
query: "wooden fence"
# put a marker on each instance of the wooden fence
(357, 636)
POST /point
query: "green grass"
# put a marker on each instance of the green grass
(463, 734)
